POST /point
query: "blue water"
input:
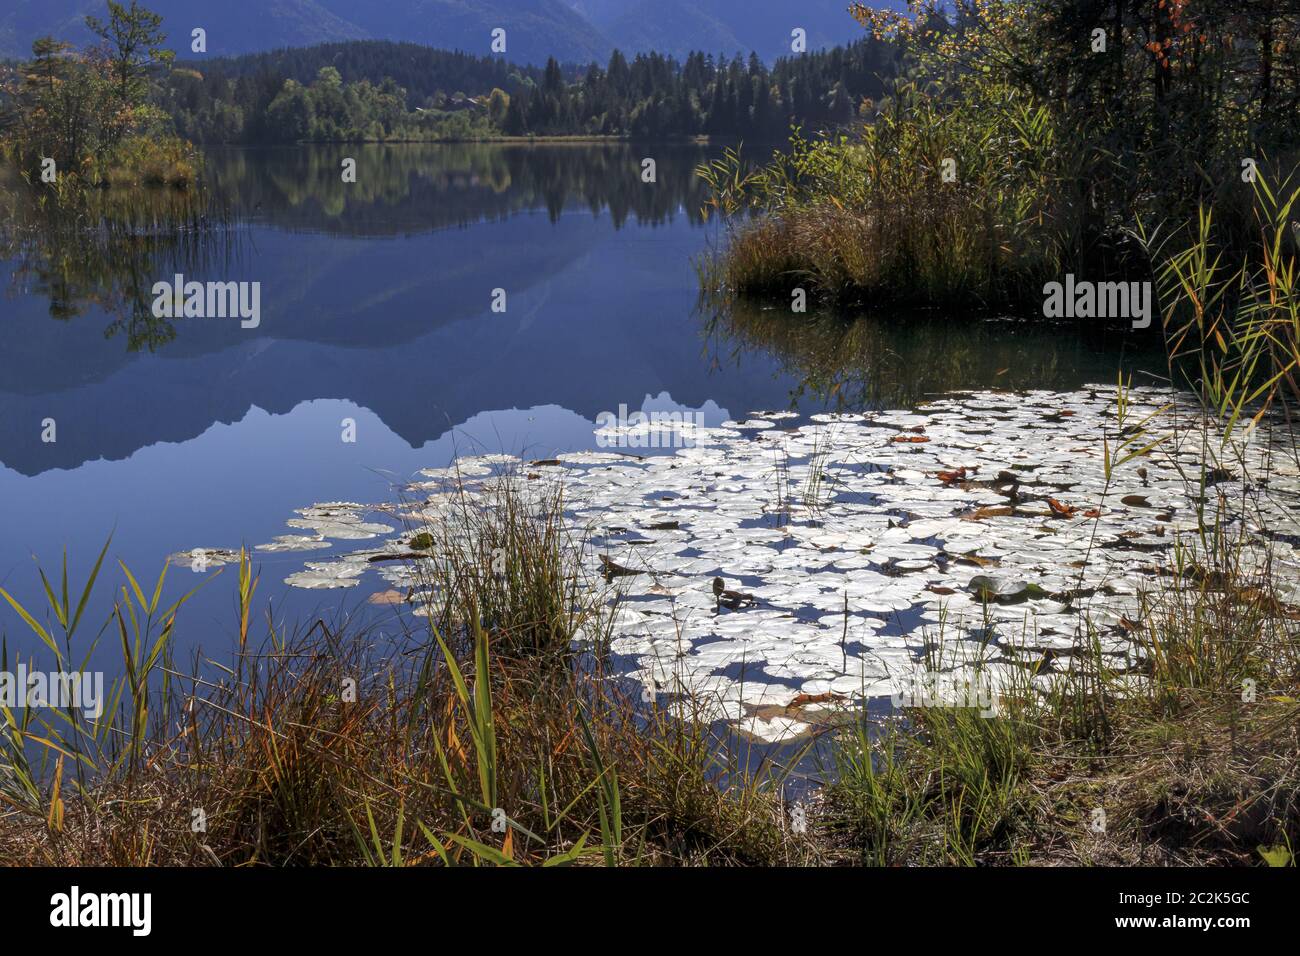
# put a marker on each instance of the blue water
(376, 307)
(377, 312)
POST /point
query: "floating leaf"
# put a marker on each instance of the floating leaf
(801, 700)
(1060, 508)
(1002, 591)
(989, 511)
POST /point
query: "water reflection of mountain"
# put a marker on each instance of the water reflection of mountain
(555, 351)
(314, 288)
(360, 284)
(379, 292)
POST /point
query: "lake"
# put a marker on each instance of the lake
(379, 353)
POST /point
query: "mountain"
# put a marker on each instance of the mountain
(574, 31)
(535, 29)
(676, 27)
(723, 26)
(233, 26)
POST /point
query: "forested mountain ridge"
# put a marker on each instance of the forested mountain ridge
(378, 91)
(536, 30)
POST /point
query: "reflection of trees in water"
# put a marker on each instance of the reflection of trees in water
(401, 188)
(106, 249)
(900, 360)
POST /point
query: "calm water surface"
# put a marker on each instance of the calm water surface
(376, 307)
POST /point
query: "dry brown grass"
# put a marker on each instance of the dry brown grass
(490, 716)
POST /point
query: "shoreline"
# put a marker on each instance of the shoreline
(576, 139)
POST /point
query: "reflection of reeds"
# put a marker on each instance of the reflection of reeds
(863, 361)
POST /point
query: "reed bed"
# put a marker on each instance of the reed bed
(497, 735)
(488, 739)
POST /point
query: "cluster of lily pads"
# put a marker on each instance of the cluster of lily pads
(781, 568)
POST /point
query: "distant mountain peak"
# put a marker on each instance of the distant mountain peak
(574, 31)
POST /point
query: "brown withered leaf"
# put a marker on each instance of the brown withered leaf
(801, 699)
(910, 439)
(612, 570)
(988, 511)
(952, 477)
(1061, 509)
(1268, 603)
